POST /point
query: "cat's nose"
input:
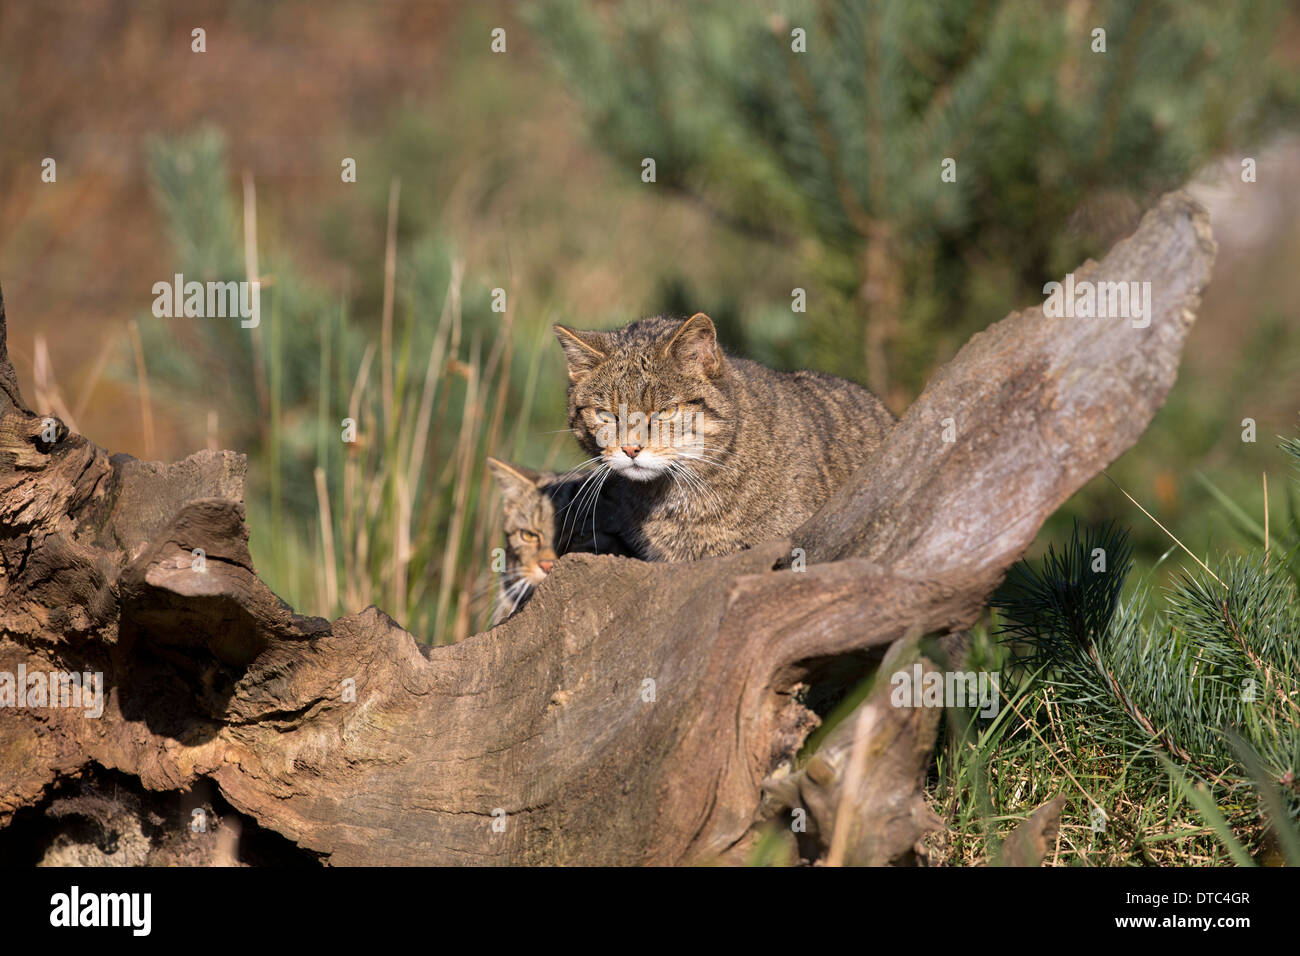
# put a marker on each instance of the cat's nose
(546, 565)
(631, 450)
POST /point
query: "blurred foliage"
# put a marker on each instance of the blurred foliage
(216, 361)
(387, 518)
(836, 152)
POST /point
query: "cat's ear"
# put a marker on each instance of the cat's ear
(695, 345)
(583, 351)
(513, 479)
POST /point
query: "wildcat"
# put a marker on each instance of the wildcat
(544, 516)
(700, 453)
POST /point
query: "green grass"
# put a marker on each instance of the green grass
(401, 514)
(988, 777)
(405, 517)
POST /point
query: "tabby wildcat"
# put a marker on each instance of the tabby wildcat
(700, 453)
(544, 515)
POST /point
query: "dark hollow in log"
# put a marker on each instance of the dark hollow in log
(630, 713)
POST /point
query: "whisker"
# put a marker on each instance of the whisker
(595, 501)
(673, 473)
(510, 599)
(573, 500)
(704, 458)
(608, 472)
(704, 490)
(572, 472)
(588, 500)
(523, 592)
(700, 485)
(697, 454)
(577, 497)
(690, 483)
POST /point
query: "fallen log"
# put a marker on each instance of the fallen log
(631, 712)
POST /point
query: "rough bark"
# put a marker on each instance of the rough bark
(631, 711)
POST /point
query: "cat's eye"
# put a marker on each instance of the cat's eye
(604, 416)
(531, 537)
(668, 412)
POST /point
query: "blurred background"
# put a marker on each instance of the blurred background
(521, 169)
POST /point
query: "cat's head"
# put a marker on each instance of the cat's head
(651, 397)
(528, 516)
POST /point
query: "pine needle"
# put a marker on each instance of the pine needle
(1172, 536)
